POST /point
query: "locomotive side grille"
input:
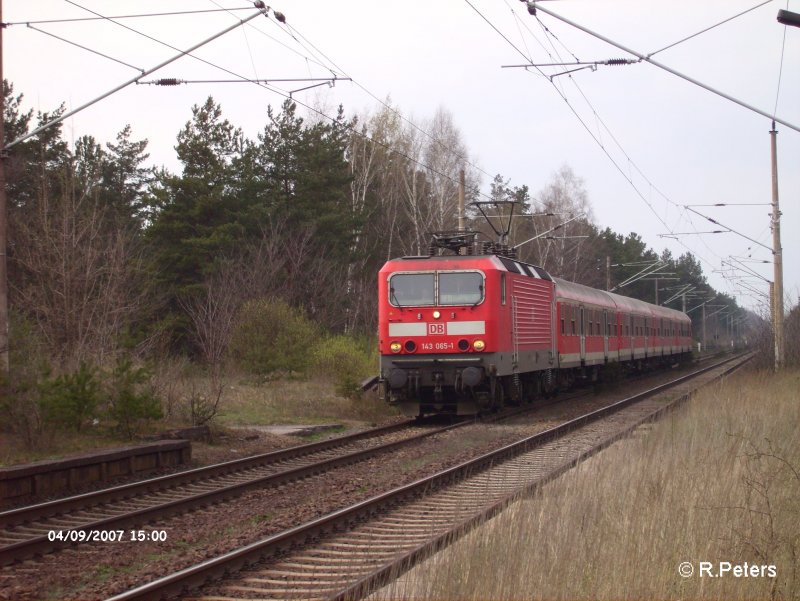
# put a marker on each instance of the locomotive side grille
(532, 313)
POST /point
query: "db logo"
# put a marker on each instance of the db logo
(435, 329)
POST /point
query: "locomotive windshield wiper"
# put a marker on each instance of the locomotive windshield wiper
(480, 296)
(393, 296)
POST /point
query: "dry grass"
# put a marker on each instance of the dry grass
(13, 451)
(718, 481)
(291, 402)
(243, 403)
(247, 400)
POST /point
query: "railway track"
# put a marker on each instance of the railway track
(353, 551)
(26, 532)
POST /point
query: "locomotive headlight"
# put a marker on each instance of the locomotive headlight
(436, 315)
(395, 347)
(479, 345)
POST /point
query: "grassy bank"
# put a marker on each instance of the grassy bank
(243, 403)
(291, 402)
(718, 481)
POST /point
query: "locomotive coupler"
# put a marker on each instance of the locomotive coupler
(437, 388)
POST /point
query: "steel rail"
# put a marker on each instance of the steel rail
(38, 545)
(279, 544)
(41, 544)
(28, 513)
(404, 562)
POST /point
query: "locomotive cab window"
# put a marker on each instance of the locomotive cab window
(429, 289)
(460, 288)
(411, 289)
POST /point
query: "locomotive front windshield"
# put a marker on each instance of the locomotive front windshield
(464, 288)
(426, 289)
(411, 289)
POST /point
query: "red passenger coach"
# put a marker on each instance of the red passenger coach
(597, 327)
(462, 333)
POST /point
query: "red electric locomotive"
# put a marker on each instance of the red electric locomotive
(461, 333)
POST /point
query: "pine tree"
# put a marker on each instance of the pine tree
(199, 217)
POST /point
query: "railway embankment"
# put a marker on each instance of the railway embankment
(700, 505)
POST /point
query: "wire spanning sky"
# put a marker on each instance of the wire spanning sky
(645, 142)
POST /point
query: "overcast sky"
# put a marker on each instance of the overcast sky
(678, 144)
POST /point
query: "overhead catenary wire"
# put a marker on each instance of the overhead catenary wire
(319, 57)
(627, 169)
(282, 19)
(707, 29)
(666, 68)
(597, 116)
(683, 213)
(294, 32)
(66, 115)
(780, 70)
(174, 81)
(165, 44)
(641, 57)
(98, 53)
(277, 41)
(575, 113)
(134, 16)
(714, 221)
(627, 177)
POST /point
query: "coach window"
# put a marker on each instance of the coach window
(411, 289)
(460, 288)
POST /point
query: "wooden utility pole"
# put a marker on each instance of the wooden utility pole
(3, 219)
(608, 273)
(777, 255)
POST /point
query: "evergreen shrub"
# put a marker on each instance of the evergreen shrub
(71, 399)
(270, 337)
(348, 361)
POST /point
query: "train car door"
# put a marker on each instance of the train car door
(514, 333)
(631, 339)
(554, 331)
(583, 337)
(605, 334)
